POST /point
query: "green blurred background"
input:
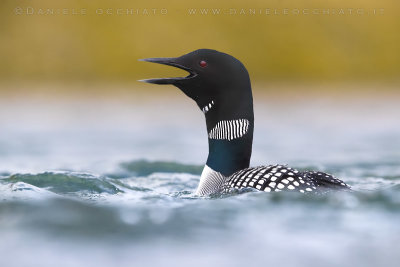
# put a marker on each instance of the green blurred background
(90, 47)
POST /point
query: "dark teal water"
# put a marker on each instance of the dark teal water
(75, 190)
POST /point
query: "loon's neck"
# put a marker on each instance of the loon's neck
(230, 138)
(230, 128)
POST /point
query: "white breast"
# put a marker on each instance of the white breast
(210, 182)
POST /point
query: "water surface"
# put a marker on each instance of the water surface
(109, 183)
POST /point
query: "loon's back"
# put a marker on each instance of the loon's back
(278, 178)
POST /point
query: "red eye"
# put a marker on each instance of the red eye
(203, 64)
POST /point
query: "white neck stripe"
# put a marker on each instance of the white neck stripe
(229, 129)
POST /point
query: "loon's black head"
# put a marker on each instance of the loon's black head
(220, 85)
(214, 77)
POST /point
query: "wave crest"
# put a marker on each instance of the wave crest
(65, 182)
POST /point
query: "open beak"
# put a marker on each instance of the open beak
(171, 61)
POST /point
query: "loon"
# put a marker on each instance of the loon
(220, 86)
